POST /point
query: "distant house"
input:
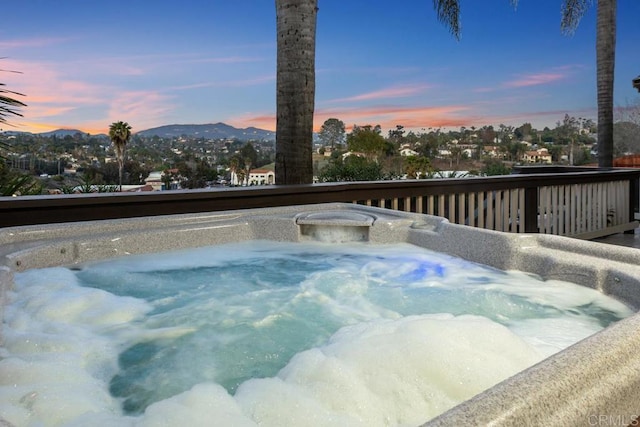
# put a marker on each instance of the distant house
(137, 188)
(491, 151)
(262, 176)
(157, 184)
(406, 152)
(154, 180)
(352, 153)
(537, 156)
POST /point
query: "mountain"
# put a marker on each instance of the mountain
(61, 133)
(212, 131)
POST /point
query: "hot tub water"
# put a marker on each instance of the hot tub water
(279, 334)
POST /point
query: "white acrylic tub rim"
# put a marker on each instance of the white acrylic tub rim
(597, 377)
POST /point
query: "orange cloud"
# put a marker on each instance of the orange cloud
(390, 116)
(387, 117)
(261, 121)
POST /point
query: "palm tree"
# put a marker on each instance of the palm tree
(234, 166)
(295, 86)
(605, 60)
(295, 89)
(120, 133)
(573, 10)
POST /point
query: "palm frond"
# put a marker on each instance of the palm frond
(9, 106)
(448, 12)
(572, 13)
(20, 185)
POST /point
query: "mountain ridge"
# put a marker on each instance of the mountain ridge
(209, 130)
(217, 130)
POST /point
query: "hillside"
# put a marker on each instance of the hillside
(212, 131)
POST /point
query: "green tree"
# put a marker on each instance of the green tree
(396, 136)
(487, 135)
(556, 152)
(495, 167)
(429, 144)
(353, 168)
(626, 138)
(120, 133)
(367, 140)
(415, 166)
(249, 158)
(332, 133)
(249, 154)
(13, 183)
(516, 150)
(235, 166)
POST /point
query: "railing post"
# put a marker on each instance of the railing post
(531, 210)
(634, 199)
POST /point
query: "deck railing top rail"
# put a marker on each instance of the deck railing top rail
(28, 210)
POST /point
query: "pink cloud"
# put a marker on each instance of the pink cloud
(484, 89)
(535, 79)
(53, 96)
(229, 83)
(35, 42)
(392, 92)
(141, 109)
(228, 60)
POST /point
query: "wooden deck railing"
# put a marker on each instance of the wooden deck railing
(583, 203)
(571, 204)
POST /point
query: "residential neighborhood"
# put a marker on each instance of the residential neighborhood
(72, 161)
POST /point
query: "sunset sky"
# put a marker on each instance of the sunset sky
(85, 63)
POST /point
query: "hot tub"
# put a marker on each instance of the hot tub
(596, 380)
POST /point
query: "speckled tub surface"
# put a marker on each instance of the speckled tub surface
(594, 381)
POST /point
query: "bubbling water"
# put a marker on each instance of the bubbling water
(277, 334)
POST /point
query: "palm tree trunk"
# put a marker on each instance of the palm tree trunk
(295, 90)
(120, 167)
(605, 58)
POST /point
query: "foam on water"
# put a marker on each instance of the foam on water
(277, 334)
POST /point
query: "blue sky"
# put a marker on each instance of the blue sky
(87, 63)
